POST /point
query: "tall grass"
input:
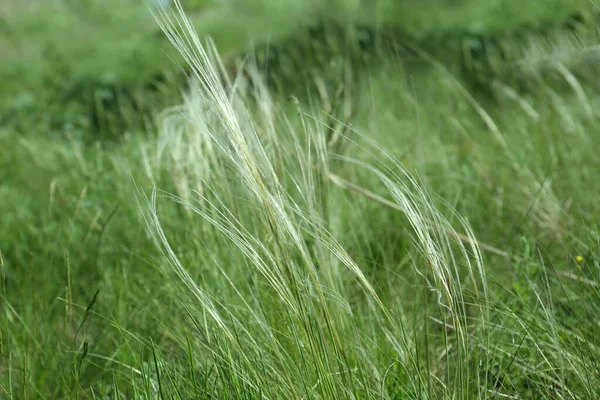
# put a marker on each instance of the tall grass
(283, 310)
(397, 236)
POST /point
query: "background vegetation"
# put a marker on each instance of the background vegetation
(374, 199)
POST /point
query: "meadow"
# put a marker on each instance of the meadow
(299, 199)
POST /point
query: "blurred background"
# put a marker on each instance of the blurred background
(103, 67)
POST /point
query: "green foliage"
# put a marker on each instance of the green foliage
(301, 247)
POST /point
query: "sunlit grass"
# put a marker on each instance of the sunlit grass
(390, 236)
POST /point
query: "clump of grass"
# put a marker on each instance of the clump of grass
(288, 311)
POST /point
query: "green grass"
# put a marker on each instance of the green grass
(382, 227)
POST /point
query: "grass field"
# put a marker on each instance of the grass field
(371, 200)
